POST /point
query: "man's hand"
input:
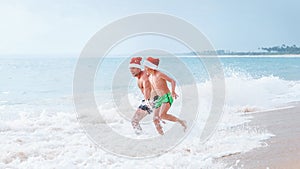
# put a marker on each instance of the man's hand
(149, 104)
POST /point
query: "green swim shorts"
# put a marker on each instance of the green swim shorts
(167, 98)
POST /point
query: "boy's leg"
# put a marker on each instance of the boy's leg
(163, 114)
(156, 120)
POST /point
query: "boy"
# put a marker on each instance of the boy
(158, 81)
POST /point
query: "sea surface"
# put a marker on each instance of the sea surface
(39, 125)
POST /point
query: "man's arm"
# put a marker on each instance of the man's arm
(147, 89)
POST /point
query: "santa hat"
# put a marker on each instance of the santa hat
(152, 63)
(135, 62)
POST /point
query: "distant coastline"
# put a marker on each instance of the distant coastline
(276, 50)
(218, 52)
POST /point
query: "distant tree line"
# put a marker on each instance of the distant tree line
(283, 49)
(276, 50)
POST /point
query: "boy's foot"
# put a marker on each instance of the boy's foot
(183, 123)
(159, 129)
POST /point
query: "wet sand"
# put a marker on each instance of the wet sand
(283, 150)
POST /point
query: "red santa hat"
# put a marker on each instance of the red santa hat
(152, 63)
(135, 62)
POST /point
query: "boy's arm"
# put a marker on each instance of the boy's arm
(172, 81)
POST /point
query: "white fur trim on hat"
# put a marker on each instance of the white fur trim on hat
(135, 65)
(150, 65)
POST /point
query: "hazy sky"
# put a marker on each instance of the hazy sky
(64, 27)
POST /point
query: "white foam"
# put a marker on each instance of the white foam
(56, 139)
(265, 92)
(50, 139)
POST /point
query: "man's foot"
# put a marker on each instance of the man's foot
(183, 123)
(137, 129)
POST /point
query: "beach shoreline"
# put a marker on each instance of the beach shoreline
(282, 150)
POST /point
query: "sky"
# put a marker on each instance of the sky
(53, 27)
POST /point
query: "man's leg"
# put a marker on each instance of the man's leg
(138, 116)
(163, 114)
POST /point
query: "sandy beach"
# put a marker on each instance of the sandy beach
(283, 150)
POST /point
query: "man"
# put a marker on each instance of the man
(158, 81)
(145, 86)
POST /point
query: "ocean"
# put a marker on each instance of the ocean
(39, 125)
